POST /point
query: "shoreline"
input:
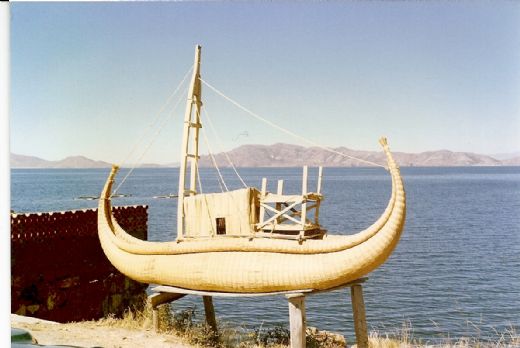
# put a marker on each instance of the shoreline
(94, 333)
(135, 331)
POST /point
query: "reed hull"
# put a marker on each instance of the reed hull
(249, 272)
(244, 265)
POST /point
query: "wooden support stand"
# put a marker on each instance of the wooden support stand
(358, 311)
(210, 313)
(296, 301)
(157, 299)
(297, 320)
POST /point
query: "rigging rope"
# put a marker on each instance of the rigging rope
(215, 134)
(221, 180)
(159, 130)
(286, 130)
(157, 117)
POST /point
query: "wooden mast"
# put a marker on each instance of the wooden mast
(188, 152)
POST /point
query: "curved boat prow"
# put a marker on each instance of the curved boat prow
(104, 205)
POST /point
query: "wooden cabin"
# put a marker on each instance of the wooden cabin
(251, 213)
(233, 213)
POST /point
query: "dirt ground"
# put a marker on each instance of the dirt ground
(93, 334)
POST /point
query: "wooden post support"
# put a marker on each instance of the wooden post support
(320, 176)
(296, 301)
(155, 319)
(210, 313)
(297, 320)
(358, 310)
(279, 191)
(304, 204)
(157, 299)
(262, 195)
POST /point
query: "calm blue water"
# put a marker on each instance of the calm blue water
(456, 271)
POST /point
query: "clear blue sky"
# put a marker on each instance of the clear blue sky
(88, 78)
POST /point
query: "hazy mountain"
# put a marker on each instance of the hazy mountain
(80, 162)
(506, 156)
(515, 161)
(22, 161)
(287, 155)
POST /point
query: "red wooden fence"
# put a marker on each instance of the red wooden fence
(59, 271)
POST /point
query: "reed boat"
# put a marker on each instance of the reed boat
(249, 240)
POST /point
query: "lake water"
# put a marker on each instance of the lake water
(455, 272)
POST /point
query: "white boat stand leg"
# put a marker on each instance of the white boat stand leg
(358, 311)
(297, 320)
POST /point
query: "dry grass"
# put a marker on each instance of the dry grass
(185, 325)
(404, 339)
(180, 324)
(132, 319)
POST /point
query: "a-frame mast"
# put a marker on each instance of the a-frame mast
(190, 153)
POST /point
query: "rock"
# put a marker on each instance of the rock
(323, 338)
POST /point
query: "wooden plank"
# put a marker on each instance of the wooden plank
(318, 191)
(272, 218)
(279, 188)
(195, 141)
(173, 289)
(193, 176)
(320, 176)
(276, 198)
(279, 191)
(304, 204)
(160, 298)
(292, 227)
(297, 320)
(261, 216)
(176, 290)
(281, 217)
(360, 321)
(155, 300)
(342, 286)
(310, 207)
(210, 313)
(296, 236)
(304, 180)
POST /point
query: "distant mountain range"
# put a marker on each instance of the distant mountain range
(22, 161)
(286, 155)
